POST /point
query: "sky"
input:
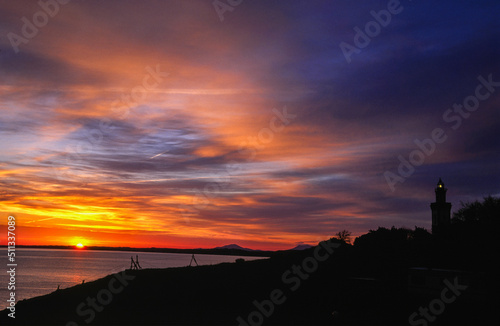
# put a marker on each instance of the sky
(196, 124)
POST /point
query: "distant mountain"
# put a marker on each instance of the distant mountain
(302, 247)
(234, 246)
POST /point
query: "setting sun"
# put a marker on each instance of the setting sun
(79, 245)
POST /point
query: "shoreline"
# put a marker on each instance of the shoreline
(47, 284)
(120, 284)
(223, 252)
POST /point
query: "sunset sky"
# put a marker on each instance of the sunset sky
(191, 124)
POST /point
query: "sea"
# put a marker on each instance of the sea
(42, 271)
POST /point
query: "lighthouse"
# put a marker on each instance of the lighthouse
(441, 210)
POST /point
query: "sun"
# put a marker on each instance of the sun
(79, 245)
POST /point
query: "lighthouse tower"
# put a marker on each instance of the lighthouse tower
(440, 211)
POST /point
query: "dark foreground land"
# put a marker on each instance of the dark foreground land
(332, 284)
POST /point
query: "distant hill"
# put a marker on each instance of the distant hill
(235, 247)
(302, 247)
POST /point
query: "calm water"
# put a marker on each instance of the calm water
(40, 271)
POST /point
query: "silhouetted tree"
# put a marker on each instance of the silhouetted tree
(344, 235)
(384, 239)
(478, 222)
(395, 247)
(486, 213)
(420, 235)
